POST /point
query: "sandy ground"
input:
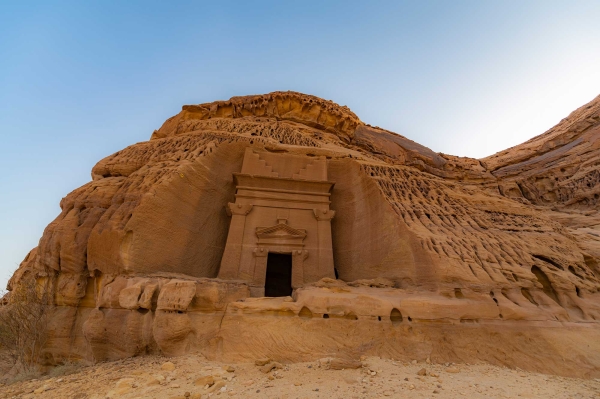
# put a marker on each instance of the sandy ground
(159, 377)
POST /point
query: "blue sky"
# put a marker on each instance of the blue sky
(81, 80)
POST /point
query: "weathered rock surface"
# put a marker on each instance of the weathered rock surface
(454, 258)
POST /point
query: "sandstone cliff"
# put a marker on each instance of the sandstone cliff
(441, 256)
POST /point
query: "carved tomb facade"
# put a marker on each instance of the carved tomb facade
(280, 223)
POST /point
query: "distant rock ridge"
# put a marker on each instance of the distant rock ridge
(559, 167)
(433, 255)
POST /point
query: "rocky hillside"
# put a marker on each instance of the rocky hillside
(434, 253)
(559, 167)
(559, 171)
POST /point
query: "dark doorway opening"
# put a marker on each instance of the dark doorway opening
(279, 275)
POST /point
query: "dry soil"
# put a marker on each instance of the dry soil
(159, 377)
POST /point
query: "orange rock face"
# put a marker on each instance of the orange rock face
(436, 256)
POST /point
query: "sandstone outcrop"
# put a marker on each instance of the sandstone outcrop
(435, 256)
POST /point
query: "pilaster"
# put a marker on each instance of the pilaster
(324, 217)
(233, 249)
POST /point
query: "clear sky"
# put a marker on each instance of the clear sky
(80, 80)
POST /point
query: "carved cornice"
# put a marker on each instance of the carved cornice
(280, 230)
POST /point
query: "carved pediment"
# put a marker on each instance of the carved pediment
(282, 231)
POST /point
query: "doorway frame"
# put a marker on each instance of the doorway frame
(267, 268)
(261, 254)
(283, 239)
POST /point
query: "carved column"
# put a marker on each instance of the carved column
(233, 249)
(298, 257)
(257, 287)
(324, 217)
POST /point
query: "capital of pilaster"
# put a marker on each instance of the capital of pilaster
(323, 214)
(260, 252)
(238, 209)
(300, 253)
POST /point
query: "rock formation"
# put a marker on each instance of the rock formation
(395, 250)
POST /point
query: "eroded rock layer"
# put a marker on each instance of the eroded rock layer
(453, 258)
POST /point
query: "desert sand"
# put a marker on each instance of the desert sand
(181, 377)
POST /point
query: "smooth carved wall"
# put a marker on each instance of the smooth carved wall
(281, 206)
(368, 241)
